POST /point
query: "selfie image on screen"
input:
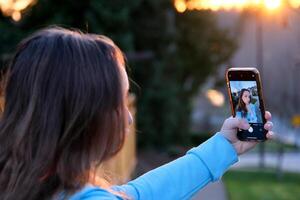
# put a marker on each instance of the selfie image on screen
(246, 100)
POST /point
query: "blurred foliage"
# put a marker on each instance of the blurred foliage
(275, 146)
(262, 185)
(170, 54)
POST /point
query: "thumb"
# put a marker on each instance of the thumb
(235, 123)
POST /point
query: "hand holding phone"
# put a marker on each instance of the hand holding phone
(232, 124)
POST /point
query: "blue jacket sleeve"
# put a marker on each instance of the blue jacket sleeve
(183, 177)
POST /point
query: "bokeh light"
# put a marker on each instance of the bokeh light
(215, 97)
(183, 5)
(14, 8)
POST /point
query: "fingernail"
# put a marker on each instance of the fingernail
(270, 123)
(271, 133)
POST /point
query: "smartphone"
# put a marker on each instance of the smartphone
(246, 100)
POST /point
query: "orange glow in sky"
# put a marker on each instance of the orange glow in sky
(272, 4)
(183, 5)
(13, 8)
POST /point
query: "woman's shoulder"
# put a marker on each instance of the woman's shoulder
(93, 193)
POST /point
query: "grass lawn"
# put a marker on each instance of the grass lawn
(262, 185)
(273, 147)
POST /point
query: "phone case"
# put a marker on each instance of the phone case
(247, 72)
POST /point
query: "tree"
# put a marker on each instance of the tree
(181, 50)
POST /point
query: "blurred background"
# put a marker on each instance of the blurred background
(177, 52)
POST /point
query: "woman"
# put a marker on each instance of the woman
(245, 108)
(65, 114)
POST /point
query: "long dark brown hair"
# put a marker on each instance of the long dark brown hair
(241, 104)
(64, 113)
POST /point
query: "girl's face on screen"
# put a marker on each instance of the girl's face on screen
(246, 97)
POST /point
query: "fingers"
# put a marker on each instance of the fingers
(268, 115)
(270, 135)
(268, 126)
(234, 123)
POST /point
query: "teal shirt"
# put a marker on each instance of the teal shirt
(251, 116)
(179, 179)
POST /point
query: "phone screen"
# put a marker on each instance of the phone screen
(246, 105)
